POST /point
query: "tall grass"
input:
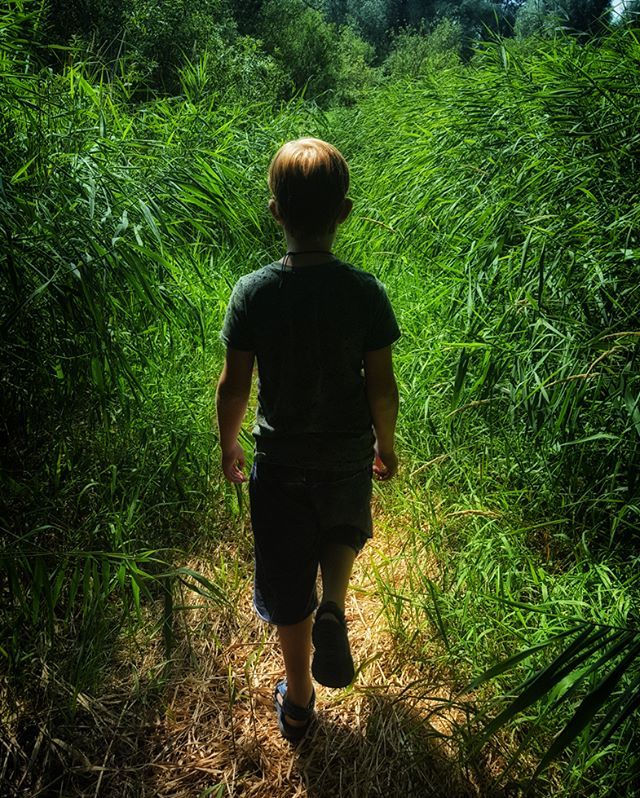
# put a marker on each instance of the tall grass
(510, 190)
(500, 204)
(123, 228)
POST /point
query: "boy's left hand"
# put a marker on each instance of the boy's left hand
(233, 464)
(385, 465)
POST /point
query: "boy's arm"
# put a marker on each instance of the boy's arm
(232, 397)
(382, 395)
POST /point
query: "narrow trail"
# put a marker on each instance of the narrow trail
(218, 734)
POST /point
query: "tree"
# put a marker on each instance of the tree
(585, 16)
(335, 10)
(580, 16)
(370, 19)
(306, 45)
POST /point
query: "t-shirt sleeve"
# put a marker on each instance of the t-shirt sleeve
(383, 328)
(236, 331)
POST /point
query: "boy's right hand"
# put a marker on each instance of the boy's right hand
(385, 465)
(233, 464)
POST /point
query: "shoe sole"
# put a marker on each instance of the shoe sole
(332, 664)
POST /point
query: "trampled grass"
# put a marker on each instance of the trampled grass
(499, 204)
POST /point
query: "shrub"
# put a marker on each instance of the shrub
(305, 45)
(416, 51)
(355, 72)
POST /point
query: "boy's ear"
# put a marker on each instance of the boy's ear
(347, 207)
(275, 211)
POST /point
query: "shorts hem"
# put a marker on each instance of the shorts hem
(269, 620)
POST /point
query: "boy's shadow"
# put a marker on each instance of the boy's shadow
(395, 752)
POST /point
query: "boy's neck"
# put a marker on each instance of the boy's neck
(308, 251)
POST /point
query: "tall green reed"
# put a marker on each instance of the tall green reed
(123, 229)
(500, 207)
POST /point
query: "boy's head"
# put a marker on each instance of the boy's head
(309, 180)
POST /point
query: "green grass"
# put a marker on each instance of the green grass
(499, 204)
(508, 191)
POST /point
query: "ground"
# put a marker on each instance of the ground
(204, 723)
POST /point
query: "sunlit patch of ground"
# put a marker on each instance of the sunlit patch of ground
(382, 737)
(202, 723)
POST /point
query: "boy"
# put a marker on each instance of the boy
(321, 331)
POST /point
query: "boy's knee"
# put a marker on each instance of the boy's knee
(347, 535)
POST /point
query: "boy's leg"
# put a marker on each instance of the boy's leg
(295, 642)
(336, 563)
(332, 661)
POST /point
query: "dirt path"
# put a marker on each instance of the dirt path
(218, 735)
(202, 723)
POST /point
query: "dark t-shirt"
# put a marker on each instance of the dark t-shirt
(309, 327)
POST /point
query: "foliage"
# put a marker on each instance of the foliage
(417, 52)
(161, 34)
(277, 48)
(118, 234)
(534, 19)
(594, 658)
(369, 19)
(564, 288)
(498, 201)
(301, 39)
(379, 20)
(501, 209)
(154, 36)
(242, 73)
(324, 61)
(248, 16)
(537, 17)
(355, 73)
(585, 16)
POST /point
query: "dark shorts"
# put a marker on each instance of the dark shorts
(295, 512)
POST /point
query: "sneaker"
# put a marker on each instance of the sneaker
(332, 664)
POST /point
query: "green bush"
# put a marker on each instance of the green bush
(228, 74)
(355, 73)
(417, 52)
(154, 37)
(305, 45)
(163, 33)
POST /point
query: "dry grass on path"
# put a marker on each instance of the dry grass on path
(207, 726)
(219, 734)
